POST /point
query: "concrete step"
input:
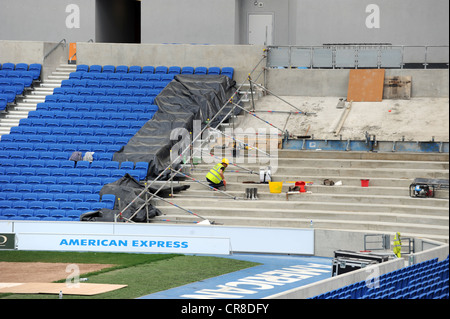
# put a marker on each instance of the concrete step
(316, 216)
(301, 198)
(16, 115)
(355, 155)
(51, 84)
(26, 107)
(392, 181)
(4, 130)
(364, 173)
(338, 206)
(437, 232)
(322, 189)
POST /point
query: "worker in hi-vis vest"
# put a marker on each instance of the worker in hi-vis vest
(215, 176)
(397, 245)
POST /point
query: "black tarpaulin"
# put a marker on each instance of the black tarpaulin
(127, 189)
(185, 99)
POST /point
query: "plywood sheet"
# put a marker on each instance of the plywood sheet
(397, 87)
(365, 85)
(86, 289)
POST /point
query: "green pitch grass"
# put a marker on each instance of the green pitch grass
(143, 273)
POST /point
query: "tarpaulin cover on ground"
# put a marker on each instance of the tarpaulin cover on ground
(127, 189)
(183, 100)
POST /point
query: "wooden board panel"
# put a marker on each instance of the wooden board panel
(55, 288)
(397, 87)
(365, 85)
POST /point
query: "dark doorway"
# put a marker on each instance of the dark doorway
(118, 21)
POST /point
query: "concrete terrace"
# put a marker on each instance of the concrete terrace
(385, 206)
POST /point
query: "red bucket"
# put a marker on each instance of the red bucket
(301, 184)
(364, 183)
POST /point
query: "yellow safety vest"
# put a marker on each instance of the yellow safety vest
(397, 245)
(214, 174)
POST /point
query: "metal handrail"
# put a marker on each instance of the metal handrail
(56, 46)
(356, 48)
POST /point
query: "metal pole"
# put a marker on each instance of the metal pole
(180, 156)
(280, 98)
(251, 113)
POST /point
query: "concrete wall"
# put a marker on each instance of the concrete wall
(322, 82)
(242, 58)
(401, 22)
(296, 22)
(47, 20)
(193, 21)
(34, 52)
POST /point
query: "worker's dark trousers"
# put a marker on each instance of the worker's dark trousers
(214, 184)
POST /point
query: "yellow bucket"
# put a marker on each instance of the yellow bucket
(275, 187)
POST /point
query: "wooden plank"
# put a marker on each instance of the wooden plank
(365, 85)
(86, 289)
(397, 87)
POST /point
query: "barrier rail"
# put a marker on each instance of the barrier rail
(357, 56)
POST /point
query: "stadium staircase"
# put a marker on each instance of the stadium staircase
(32, 96)
(384, 206)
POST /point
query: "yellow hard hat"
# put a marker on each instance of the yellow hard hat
(225, 161)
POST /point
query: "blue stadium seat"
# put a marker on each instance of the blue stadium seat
(214, 70)
(161, 69)
(187, 70)
(35, 68)
(174, 70)
(229, 71)
(148, 69)
(201, 70)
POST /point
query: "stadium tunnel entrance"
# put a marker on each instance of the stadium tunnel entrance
(118, 21)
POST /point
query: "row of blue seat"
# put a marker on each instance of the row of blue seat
(424, 280)
(23, 182)
(11, 68)
(84, 78)
(71, 172)
(23, 163)
(46, 214)
(30, 200)
(63, 93)
(18, 84)
(93, 188)
(10, 198)
(115, 116)
(27, 76)
(161, 69)
(81, 123)
(36, 155)
(18, 207)
(73, 131)
(132, 98)
(54, 147)
(65, 139)
(96, 107)
(108, 85)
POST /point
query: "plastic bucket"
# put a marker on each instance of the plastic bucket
(275, 187)
(301, 184)
(364, 183)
